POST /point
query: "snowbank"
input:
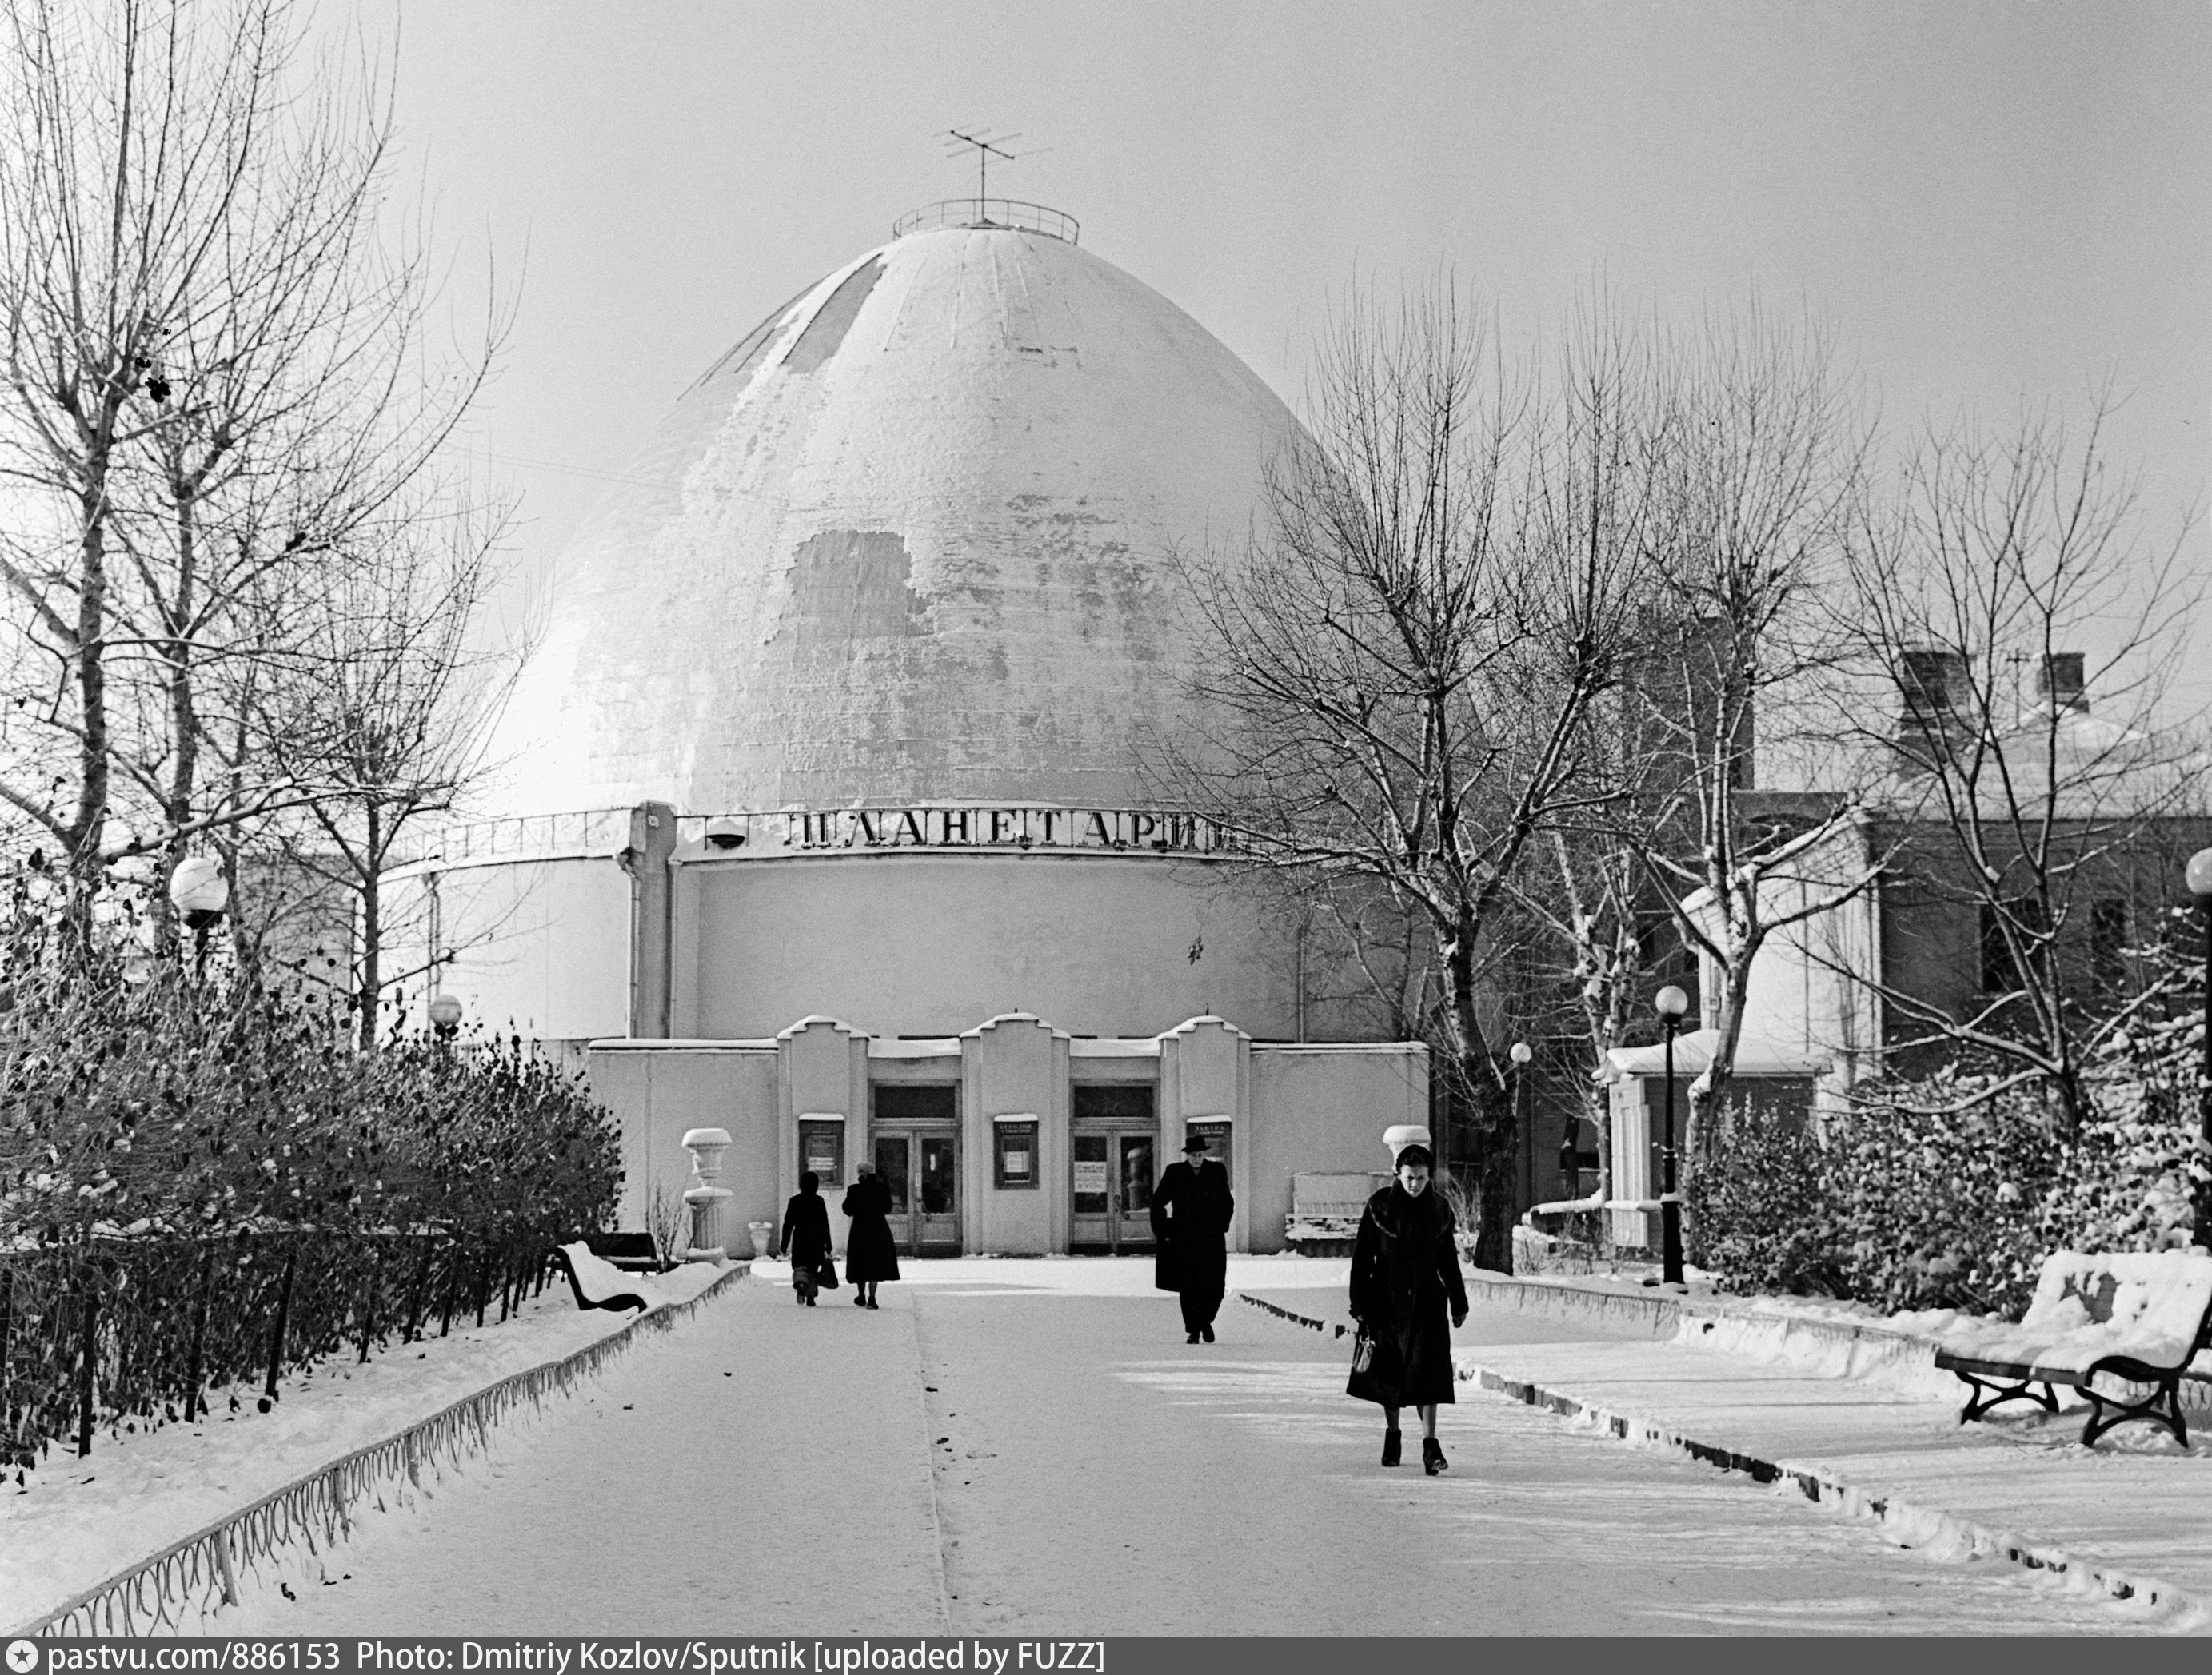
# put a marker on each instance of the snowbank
(70, 1523)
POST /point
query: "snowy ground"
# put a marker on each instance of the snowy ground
(70, 1523)
(1027, 1447)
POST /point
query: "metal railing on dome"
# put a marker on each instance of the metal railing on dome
(579, 832)
(1008, 212)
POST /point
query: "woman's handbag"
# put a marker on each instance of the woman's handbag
(826, 1275)
(1375, 1370)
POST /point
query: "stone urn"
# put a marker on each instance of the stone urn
(707, 1146)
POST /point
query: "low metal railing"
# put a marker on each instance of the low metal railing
(1008, 212)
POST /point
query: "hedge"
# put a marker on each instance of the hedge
(1949, 1192)
(202, 1184)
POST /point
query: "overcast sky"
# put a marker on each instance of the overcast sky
(1989, 201)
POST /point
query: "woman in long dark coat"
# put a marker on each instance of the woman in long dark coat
(870, 1254)
(806, 1235)
(1405, 1273)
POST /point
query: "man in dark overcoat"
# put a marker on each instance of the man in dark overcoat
(1191, 1209)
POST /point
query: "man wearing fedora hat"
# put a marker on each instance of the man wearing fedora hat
(1190, 1229)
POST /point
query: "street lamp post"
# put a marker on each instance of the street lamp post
(2199, 877)
(1524, 1140)
(1670, 1003)
(199, 893)
(445, 1019)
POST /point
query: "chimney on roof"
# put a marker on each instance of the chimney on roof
(1937, 693)
(2059, 683)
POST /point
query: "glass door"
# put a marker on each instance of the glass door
(939, 1230)
(1133, 1217)
(916, 1129)
(894, 1155)
(1090, 1207)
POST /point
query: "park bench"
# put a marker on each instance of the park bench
(632, 1251)
(598, 1284)
(1325, 1210)
(2136, 1318)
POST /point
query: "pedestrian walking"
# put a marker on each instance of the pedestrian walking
(1191, 1208)
(806, 1238)
(1405, 1273)
(870, 1256)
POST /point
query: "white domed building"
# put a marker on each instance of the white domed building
(823, 814)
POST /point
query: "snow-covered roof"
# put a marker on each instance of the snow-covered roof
(1693, 1054)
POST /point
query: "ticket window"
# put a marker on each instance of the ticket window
(821, 1149)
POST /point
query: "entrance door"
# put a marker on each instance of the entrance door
(1114, 1144)
(917, 1153)
(1139, 1169)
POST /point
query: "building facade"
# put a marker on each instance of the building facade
(828, 807)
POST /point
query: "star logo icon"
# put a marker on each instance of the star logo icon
(23, 1656)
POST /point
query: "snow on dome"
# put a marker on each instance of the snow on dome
(911, 538)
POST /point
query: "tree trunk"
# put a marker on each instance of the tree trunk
(372, 931)
(91, 656)
(184, 716)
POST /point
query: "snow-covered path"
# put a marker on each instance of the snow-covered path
(990, 1455)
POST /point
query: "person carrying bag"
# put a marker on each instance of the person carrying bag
(807, 1241)
(1405, 1274)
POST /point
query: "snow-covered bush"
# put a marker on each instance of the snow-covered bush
(1934, 1190)
(2133, 1171)
(1949, 1192)
(1756, 1217)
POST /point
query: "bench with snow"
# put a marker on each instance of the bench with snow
(2138, 1319)
(598, 1284)
(632, 1251)
(1325, 1209)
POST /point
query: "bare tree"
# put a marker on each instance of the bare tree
(1409, 648)
(215, 373)
(2006, 560)
(127, 145)
(380, 711)
(1764, 464)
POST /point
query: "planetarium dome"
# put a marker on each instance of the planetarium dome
(911, 538)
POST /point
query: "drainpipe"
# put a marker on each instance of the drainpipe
(651, 917)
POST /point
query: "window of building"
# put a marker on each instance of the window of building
(1997, 966)
(1014, 1152)
(2000, 971)
(821, 1149)
(2110, 933)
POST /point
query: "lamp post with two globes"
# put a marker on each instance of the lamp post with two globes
(1670, 1003)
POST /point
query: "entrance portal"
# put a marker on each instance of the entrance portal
(1115, 1145)
(916, 1146)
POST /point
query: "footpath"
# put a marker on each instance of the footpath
(1855, 1417)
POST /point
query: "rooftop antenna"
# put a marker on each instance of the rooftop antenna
(988, 146)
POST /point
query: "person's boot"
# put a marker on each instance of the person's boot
(1432, 1456)
(1206, 1333)
(1392, 1441)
